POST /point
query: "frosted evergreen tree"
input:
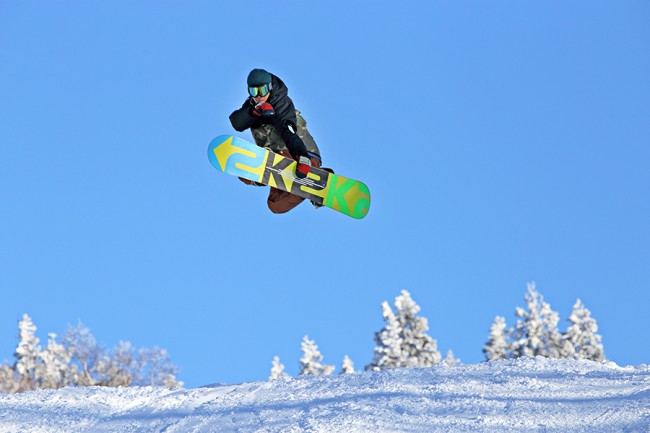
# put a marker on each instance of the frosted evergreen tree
(497, 346)
(27, 354)
(403, 342)
(529, 334)
(277, 370)
(418, 348)
(311, 358)
(388, 343)
(450, 360)
(347, 367)
(536, 332)
(54, 371)
(581, 334)
(557, 346)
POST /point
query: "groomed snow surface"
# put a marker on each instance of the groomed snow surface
(516, 395)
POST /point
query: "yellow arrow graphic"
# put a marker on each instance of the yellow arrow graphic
(226, 149)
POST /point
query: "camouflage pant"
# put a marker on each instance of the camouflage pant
(267, 136)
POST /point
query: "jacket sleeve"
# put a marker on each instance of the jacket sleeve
(285, 123)
(241, 119)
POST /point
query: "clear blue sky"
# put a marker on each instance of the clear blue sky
(503, 142)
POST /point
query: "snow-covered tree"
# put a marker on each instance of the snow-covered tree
(311, 358)
(156, 368)
(78, 360)
(27, 354)
(347, 367)
(117, 368)
(388, 343)
(497, 345)
(581, 335)
(450, 360)
(8, 380)
(536, 332)
(528, 334)
(404, 341)
(123, 366)
(419, 349)
(87, 356)
(531, 334)
(54, 371)
(557, 346)
(277, 370)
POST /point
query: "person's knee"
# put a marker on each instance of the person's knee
(278, 208)
(280, 202)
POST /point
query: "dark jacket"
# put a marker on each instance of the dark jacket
(284, 119)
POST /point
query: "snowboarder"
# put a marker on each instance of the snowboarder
(276, 124)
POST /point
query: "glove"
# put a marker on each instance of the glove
(303, 167)
(294, 143)
(263, 109)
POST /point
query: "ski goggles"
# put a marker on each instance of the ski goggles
(262, 90)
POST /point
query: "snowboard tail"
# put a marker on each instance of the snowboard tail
(241, 158)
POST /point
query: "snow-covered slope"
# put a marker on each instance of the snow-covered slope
(520, 395)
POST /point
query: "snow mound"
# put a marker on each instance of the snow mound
(517, 395)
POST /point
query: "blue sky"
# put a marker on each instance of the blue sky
(503, 142)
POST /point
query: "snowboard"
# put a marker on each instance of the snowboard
(241, 158)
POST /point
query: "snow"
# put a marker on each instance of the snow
(529, 394)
